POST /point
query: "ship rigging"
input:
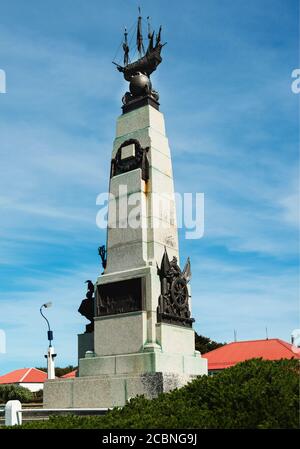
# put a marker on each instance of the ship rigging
(148, 60)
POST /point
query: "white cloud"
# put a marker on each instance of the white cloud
(290, 206)
(228, 296)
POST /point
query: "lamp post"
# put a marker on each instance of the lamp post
(50, 353)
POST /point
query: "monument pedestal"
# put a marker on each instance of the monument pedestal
(110, 390)
(143, 342)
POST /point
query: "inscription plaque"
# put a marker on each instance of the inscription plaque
(120, 297)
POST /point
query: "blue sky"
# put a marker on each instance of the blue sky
(232, 123)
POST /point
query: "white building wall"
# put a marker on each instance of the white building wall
(32, 386)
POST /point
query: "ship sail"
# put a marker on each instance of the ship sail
(158, 37)
(139, 38)
(150, 36)
(126, 48)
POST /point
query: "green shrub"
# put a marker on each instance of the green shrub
(38, 396)
(9, 392)
(204, 344)
(59, 372)
(252, 394)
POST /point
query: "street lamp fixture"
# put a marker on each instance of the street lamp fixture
(50, 332)
(50, 353)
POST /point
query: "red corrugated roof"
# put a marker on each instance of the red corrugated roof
(70, 375)
(24, 375)
(239, 351)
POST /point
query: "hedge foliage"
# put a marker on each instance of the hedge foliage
(59, 372)
(9, 392)
(252, 394)
(205, 344)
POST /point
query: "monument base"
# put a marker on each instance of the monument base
(109, 391)
(150, 361)
(111, 375)
(85, 343)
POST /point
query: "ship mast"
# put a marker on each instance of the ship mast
(150, 36)
(158, 36)
(126, 48)
(139, 36)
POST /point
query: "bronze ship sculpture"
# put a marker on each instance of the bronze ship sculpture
(138, 72)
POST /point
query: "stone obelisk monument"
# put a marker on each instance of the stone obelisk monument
(140, 340)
